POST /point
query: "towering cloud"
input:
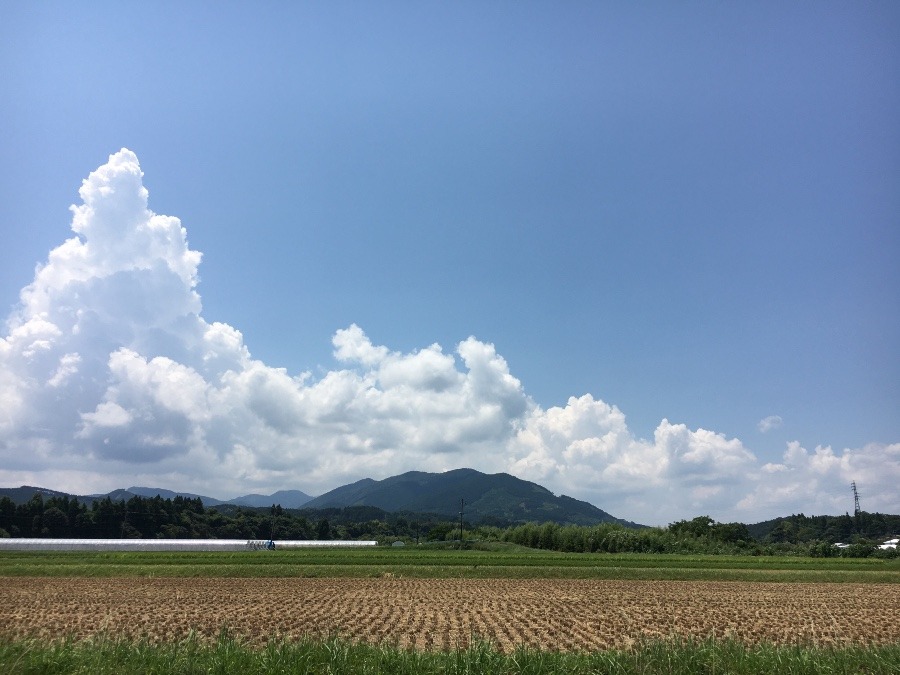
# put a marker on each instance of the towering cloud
(110, 375)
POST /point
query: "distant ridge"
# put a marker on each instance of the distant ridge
(288, 499)
(165, 494)
(22, 494)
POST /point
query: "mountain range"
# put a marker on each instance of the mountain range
(289, 499)
(490, 498)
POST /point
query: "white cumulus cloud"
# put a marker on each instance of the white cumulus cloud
(111, 376)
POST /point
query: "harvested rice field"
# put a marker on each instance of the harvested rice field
(442, 614)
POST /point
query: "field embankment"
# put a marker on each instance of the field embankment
(499, 561)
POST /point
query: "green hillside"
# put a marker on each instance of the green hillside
(487, 498)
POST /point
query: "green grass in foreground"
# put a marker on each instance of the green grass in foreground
(495, 561)
(107, 655)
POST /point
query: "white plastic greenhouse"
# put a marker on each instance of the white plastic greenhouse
(22, 544)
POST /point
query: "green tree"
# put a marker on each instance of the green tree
(7, 513)
(55, 523)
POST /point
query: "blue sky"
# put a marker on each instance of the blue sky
(689, 212)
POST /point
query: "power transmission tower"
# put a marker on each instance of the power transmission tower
(856, 508)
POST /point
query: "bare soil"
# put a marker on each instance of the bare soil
(448, 613)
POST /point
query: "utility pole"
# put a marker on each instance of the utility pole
(856, 508)
(461, 504)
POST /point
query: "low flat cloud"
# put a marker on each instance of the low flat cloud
(767, 424)
(111, 376)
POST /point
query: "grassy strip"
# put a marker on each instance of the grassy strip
(474, 564)
(227, 655)
(482, 572)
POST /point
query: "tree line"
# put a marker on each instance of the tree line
(703, 535)
(187, 518)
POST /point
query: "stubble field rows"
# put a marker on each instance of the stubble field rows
(438, 614)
